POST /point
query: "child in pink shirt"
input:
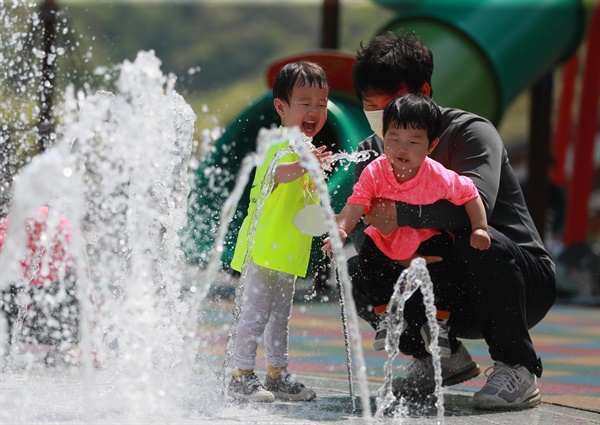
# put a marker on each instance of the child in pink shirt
(411, 127)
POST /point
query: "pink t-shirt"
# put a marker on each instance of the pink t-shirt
(56, 252)
(431, 183)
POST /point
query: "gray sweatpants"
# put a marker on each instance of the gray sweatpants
(266, 307)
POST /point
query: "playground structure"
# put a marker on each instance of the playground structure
(486, 53)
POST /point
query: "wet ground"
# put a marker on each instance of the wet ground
(568, 340)
(55, 399)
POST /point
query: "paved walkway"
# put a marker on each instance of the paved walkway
(568, 341)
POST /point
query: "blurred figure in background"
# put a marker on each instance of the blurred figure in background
(41, 308)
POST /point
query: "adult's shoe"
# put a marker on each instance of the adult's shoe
(419, 379)
(508, 388)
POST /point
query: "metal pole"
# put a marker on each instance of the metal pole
(580, 186)
(330, 24)
(48, 15)
(564, 120)
(539, 151)
(346, 340)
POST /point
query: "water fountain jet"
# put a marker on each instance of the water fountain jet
(118, 172)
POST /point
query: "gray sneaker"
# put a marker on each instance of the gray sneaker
(443, 339)
(248, 387)
(285, 387)
(508, 388)
(381, 334)
(382, 330)
(419, 379)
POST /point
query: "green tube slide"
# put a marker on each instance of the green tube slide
(486, 52)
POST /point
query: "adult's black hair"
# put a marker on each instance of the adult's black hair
(391, 61)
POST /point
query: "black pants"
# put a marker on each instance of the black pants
(499, 295)
(50, 313)
(377, 275)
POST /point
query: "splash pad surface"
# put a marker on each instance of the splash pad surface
(60, 396)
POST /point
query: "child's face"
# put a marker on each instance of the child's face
(307, 109)
(406, 149)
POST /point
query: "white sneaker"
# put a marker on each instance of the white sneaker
(508, 388)
(420, 379)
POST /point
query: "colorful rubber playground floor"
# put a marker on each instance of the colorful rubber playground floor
(567, 340)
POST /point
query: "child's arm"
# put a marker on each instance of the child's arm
(289, 171)
(347, 219)
(480, 239)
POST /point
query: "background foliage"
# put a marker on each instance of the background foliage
(218, 50)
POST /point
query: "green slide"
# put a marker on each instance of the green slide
(486, 52)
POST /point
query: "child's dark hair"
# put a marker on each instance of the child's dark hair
(299, 73)
(391, 61)
(414, 111)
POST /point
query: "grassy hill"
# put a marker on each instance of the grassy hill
(218, 51)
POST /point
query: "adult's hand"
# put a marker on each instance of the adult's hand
(382, 215)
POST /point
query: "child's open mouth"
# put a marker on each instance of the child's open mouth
(308, 126)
